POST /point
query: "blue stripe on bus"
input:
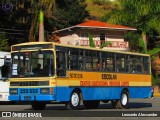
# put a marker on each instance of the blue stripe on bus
(103, 93)
(32, 97)
(92, 93)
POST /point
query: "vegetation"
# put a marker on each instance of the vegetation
(92, 44)
(155, 51)
(97, 8)
(19, 18)
(141, 14)
(69, 13)
(4, 42)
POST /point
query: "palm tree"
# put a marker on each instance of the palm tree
(46, 7)
(141, 14)
(152, 53)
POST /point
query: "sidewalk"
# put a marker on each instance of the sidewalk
(156, 94)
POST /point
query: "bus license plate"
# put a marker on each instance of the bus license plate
(27, 98)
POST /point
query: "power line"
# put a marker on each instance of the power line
(14, 33)
(11, 29)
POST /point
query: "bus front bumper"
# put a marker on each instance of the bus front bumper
(32, 98)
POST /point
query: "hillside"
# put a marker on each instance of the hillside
(98, 9)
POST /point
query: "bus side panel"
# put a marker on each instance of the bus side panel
(140, 92)
(63, 93)
(109, 93)
(101, 93)
(89, 93)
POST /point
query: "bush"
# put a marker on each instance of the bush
(155, 80)
(4, 42)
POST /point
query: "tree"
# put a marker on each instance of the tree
(46, 6)
(141, 14)
(4, 42)
(14, 20)
(58, 14)
(152, 52)
(69, 13)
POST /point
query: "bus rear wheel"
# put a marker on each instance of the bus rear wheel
(91, 104)
(74, 103)
(124, 100)
(38, 105)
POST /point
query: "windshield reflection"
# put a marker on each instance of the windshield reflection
(32, 64)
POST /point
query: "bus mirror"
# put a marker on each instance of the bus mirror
(5, 72)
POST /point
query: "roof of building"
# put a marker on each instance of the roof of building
(98, 24)
(93, 23)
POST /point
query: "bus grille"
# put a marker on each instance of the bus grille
(28, 90)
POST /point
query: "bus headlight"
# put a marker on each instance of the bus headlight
(13, 91)
(45, 90)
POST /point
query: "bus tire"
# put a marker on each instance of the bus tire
(38, 105)
(124, 100)
(91, 104)
(74, 103)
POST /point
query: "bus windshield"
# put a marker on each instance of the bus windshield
(32, 64)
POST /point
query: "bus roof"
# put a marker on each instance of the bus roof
(80, 47)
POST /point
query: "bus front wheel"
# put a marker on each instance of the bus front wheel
(124, 100)
(38, 105)
(74, 103)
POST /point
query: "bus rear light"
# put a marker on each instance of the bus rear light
(51, 90)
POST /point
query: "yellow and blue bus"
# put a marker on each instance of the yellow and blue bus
(45, 72)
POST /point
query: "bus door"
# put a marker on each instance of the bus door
(61, 59)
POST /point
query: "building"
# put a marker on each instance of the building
(100, 31)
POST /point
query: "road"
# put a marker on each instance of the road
(136, 106)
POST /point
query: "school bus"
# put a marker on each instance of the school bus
(45, 72)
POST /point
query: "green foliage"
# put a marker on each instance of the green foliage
(155, 80)
(91, 42)
(4, 42)
(144, 49)
(142, 46)
(141, 14)
(97, 10)
(24, 17)
(14, 20)
(105, 44)
(69, 13)
(132, 37)
(154, 51)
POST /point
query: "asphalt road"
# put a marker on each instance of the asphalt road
(105, 111)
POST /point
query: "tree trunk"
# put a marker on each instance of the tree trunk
(144, 37)
(32, 29)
